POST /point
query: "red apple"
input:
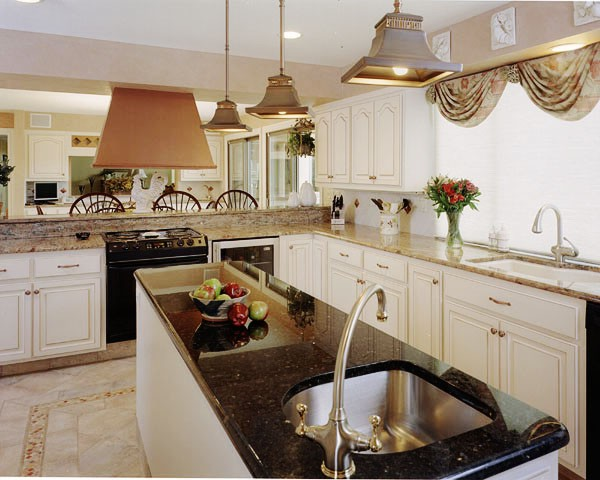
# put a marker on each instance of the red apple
(238, 314)
(258, 310)
(233, 290)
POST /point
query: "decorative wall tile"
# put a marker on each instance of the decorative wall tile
(440, 46)
(503, 29)
(586, 12)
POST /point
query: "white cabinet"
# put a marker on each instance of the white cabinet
(51, 304)
(48, 156)
(215, 145)
(15, 322)
(332, 133)
(425, 314)
(47, 210)
(296, 261)
(389, 145)
(376, 137)
(319, 266)
(522, 341)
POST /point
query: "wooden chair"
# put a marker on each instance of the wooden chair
(96, 203)
(39, 210)
(236, 200)
(176, 201)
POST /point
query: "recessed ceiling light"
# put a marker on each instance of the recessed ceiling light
(291, 35)
(566, 47)
(29, 1)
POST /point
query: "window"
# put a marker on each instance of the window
(244, 165)
(522, 158)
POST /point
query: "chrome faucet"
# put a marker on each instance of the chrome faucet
(337, 438)
(560, 250)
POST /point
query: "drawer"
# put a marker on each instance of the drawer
(61, 265)
(389, 266)
(345, 253)
(545, 310)
(14, 268)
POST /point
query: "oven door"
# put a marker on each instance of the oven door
(261, 252)
(120, 293)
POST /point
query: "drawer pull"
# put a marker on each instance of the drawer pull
(385, 267)
(27, 292)
(499, 302)
(494, 331)
(435, 281)
(344, 255)
(2, 270)
(75, 265)
(501, 333)
(36, 292)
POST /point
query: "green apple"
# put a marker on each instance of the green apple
(223, 296)
(214, 283)
(258, 310)
(205, 292)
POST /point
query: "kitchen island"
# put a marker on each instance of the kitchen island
(210, 397)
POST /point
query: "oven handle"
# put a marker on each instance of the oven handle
(182, 259)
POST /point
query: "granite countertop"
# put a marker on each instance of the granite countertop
(245, 378)
(415, 246)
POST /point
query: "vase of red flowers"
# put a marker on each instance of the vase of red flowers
(451, 196)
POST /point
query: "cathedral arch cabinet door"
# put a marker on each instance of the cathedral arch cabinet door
(215, 145)
(47, 157)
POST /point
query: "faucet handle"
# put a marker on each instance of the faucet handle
(575, 249)
(374, 442)
(301, 408)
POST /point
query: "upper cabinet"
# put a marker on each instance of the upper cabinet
(333, 150)
(48, 156)
(215, 145)
(382, 139)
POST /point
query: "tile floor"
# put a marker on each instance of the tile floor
(76, 421)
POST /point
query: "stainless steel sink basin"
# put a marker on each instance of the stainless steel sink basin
(538, 270)
(414, 412)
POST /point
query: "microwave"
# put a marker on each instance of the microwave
(261, 252)
(45, 192)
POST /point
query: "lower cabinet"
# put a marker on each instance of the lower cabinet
(425, 313)
(303, 263)
(51, 304)
(540, 368)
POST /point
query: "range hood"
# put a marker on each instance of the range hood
(152, 129)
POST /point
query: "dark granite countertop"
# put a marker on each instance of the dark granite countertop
(246, 379)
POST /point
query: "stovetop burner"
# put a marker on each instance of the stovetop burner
(154, 243)
(141, 235)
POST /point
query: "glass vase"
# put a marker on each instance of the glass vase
(454, 240)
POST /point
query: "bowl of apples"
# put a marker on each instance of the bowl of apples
(214, 299)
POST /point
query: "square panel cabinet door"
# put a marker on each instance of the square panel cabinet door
(66, 316)
(15, 321)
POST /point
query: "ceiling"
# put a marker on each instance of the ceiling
(334, 32)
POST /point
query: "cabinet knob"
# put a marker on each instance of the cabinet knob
(501, 333)
(291, 247)
(36, 291)
(435, 281)
(27, 292)
(2, 270)
(494, 330)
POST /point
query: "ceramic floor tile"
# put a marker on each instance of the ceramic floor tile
(13, 423)
(10, 460)
(108, 458)
(64, 467)
(59, 421)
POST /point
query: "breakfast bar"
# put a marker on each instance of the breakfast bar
(216, 391)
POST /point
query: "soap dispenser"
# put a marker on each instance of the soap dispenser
(502, 238)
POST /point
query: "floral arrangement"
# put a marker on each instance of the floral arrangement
(5, 171)
(115, 184)
(451, 194)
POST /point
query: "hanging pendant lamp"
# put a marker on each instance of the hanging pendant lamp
(400, 55)
(281, 99)
(226, 117)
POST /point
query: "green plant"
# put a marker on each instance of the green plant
(300, 144)
(5, 171)
(451, 194)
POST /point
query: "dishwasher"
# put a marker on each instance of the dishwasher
(261, 252)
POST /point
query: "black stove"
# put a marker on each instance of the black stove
(144, 244)
(128, 251)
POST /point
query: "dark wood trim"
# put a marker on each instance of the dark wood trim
(565, 474)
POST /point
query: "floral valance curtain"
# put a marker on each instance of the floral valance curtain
(566, 85)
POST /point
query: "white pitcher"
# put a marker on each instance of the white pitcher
(308, 197)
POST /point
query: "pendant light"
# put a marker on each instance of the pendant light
(281, 99)
(226, 117)
(400, 55)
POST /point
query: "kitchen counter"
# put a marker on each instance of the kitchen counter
(414, 246)
(245, 380)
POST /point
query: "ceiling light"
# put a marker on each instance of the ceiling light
(29, 1)
(291, 35)
(226, 117)
(281, 99)
(400, 71)
(566, 47)
(399, 40)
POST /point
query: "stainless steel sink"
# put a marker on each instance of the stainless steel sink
(542, 271)
(414, 412)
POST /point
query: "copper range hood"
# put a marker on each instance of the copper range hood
(152, 129)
